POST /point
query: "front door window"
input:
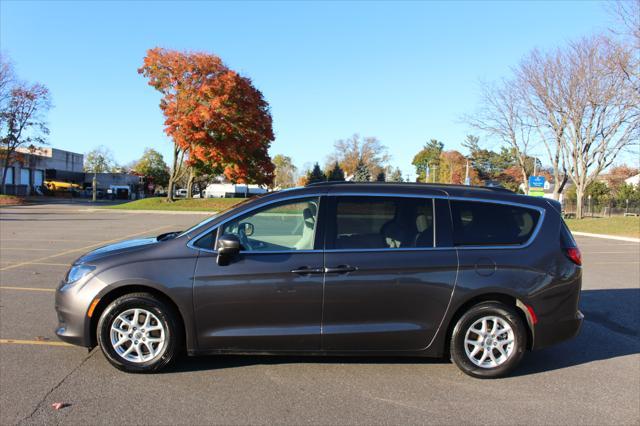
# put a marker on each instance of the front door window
(286, 226)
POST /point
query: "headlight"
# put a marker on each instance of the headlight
(77, 272)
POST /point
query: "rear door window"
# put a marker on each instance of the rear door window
(382, 223)
(489, 224)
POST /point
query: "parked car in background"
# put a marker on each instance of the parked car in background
(119, 192)
(88, 192)
(476, 274)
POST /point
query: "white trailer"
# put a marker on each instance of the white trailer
(230, 190)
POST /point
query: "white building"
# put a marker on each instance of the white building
(633, 180)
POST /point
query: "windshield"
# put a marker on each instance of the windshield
(215, 216)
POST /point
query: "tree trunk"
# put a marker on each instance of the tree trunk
(174, 174)
(4, 171)
(525, 181)
(192, 177)
(559, 187)
(170, 186)
(579, 201)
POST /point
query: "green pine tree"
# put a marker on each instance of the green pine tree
(336, 174)
(316, 175)
(362, 173)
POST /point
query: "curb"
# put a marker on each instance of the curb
(607, 237)
(148, 211)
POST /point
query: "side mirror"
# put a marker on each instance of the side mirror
(228, 246)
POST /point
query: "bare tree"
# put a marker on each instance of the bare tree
(354, 150)
(602, 109)
(7, 79)
(503, 115)
(627, 16)
(541, 78)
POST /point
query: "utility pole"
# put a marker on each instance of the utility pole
(94, 186)
(467, 180)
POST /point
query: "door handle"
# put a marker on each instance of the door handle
(341, 269)
(305, 270)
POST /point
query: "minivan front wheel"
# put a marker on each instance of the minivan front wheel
(138, 333)
(489, 340)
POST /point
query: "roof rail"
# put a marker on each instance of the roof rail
(430, 184)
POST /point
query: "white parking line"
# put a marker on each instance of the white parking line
(27, 288)
(29, 248)
(610, 252)
(82, 249)
(34, 342)
(608, 237)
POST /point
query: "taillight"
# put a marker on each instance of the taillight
(574, 255)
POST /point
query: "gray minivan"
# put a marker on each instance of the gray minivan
(473, 273)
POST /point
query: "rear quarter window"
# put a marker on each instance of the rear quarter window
(489, 224)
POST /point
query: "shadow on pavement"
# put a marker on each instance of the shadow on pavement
(611, 329)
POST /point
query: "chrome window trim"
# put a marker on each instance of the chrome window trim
(395, 250)
(215, 228)
(530, 241)
(533, 237)
(526, 244)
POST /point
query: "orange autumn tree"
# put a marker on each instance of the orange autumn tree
(213, 115)
(453, 168)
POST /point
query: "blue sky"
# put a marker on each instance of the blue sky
(404, 72)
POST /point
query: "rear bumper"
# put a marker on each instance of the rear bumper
(551, 332)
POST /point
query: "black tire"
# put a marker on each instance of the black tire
(457, 345)
(167, 317)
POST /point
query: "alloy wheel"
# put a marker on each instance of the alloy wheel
(489, 342)
(137, 335)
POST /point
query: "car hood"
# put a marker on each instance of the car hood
(117, 248)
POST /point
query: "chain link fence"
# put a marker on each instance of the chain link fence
(597, 208)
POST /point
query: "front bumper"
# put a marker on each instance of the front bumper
(73, 322)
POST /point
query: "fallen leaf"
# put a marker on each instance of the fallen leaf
(59, 405)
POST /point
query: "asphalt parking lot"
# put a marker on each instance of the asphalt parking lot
(593, 379)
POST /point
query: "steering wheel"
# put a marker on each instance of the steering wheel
(244, 240)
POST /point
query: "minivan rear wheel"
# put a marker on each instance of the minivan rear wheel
(489, 340)
(138, 333)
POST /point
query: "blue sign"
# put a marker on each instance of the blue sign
(536, 181)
